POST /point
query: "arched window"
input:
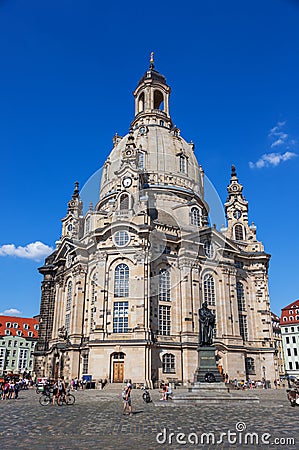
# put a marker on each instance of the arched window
(209, 289)
(168, 363)
(69, 295)
(239, 232)
(141, 102)
(158, 100)
(124, 201)
(121, 281)
(240, 296)
(195, 217)
(164, 285)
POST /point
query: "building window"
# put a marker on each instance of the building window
(14, 353)
(141, 158)
(287, 339)
(85, 364)
(164, 320)
(294, 339)
(285, 319)
(239, 232)
(209, 289)
(69, 295)
(183, 164)
(7, 332)
(15, 344)
(168, 363)
(292, 329)
(15, 325)
(164, 285)
(124, 202)
(9, 343)
(93, 300)
(291, 318)
(240, 297)
(120, 317)
(19, 333)
(208, 249)
(290, 312)
(2, 358)
(87, 225)
(290, 365)
(195, 217)
(243, 327)
(30, 334)
(295, 351)
(36, 327)
(250, 366)
(121, 281)
(296, 365)
(8, 324)
(23, 358)
(67, 322)
(25, 326)
(121, 238)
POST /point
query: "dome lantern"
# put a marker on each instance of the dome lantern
(152, 98)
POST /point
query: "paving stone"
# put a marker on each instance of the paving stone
(96, 421)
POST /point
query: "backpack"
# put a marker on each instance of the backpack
(124, 394)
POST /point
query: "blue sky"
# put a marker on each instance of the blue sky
(67, 72)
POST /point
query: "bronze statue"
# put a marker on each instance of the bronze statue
(206, 325)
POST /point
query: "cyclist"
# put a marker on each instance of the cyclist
(61, 388)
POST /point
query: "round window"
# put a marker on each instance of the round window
(121, 238)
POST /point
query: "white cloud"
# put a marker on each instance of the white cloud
(36, 250)
(272, 159)
(280, 139)
(11, 312)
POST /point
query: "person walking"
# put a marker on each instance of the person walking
(127, 399)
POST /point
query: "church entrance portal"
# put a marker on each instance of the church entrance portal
(118, 367)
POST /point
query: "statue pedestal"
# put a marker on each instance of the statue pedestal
(207, 370)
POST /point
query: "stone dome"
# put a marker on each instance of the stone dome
(162, 154)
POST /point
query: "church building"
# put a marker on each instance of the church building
(121, 291)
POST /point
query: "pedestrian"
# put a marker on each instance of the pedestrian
(55, 392)
(17, 387)
(127, 399)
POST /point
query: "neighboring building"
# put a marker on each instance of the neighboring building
(277, 339)
(122, 290)
(18, 337)
(289, 323)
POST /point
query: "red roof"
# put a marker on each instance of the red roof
(24, 324)
(290, 314)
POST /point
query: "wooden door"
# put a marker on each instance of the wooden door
(118, 372)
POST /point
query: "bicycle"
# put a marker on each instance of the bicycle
(67, 398)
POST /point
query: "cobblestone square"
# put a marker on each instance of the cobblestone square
(96, 422)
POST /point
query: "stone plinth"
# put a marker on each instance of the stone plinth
(207, 365)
